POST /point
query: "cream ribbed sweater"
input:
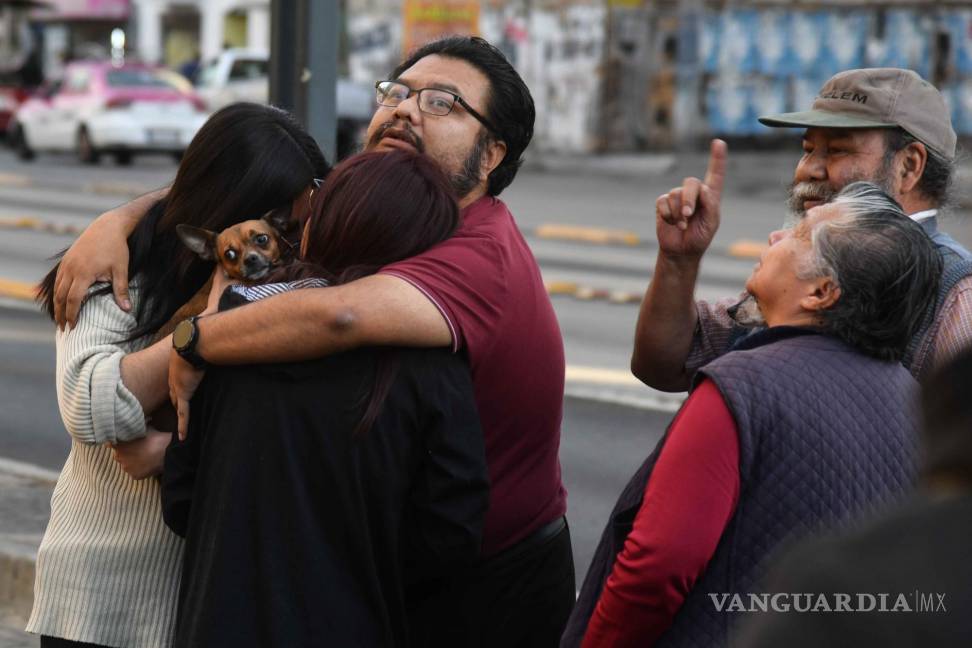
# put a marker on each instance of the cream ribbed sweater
(108, 568)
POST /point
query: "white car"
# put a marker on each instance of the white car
(243, 75)
(100, 107)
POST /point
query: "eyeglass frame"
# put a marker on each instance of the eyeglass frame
(455, 98)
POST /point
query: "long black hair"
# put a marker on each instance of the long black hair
(247, 159)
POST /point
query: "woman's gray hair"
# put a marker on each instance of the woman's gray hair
(886, 266)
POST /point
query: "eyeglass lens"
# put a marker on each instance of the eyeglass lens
(432, 101)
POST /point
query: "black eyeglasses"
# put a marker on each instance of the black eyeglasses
(433, 101)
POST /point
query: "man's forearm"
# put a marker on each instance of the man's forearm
(666, 325)
(379, 310)
(297, 325)
(129, 214)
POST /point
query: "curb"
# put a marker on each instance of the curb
(29, 471)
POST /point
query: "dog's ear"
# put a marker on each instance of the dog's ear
(281, 221)
(201, 241)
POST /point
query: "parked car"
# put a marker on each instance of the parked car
(243, 75)
(101, 107)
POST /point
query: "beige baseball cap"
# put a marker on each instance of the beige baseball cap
(878, 98)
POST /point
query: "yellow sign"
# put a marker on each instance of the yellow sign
(426, 20)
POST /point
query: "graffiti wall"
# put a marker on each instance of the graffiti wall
(556, 47)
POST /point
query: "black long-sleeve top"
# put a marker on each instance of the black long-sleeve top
(300, 532)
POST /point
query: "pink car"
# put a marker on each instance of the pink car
(100, 107)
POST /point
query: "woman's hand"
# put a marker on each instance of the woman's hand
(220, 283)
(143, 457)
(99, 254)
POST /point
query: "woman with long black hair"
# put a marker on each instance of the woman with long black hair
(322, 501)
(108, 569)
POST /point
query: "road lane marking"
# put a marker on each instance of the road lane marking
(39, 225)
(14, 180)
(587, 234)
(17, 289)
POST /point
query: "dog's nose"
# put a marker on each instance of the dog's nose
(253, 259)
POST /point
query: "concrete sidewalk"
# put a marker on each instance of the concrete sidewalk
(24, 510)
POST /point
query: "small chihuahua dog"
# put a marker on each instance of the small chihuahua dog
(247, 251)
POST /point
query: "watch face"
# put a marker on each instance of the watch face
(182, 334)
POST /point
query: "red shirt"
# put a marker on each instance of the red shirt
(486, 283)
(690, 498)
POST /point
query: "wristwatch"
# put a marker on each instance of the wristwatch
(184, 339)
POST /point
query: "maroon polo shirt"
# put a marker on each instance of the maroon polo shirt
(486, 283)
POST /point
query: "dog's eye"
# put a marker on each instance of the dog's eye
(262, 239)
(230, 255)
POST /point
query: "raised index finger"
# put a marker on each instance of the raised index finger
(715, 175)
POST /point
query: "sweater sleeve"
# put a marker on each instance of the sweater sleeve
(95, 405)
(689, 499)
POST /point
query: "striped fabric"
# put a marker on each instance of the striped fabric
(256, 293)
(108, 568)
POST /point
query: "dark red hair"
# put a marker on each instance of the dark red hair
(374, 209)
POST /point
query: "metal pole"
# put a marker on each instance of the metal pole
(319, 75)
(303, 65)
(283, 53)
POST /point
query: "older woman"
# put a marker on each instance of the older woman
(806, 425)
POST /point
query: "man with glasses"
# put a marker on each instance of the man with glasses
(459, 101)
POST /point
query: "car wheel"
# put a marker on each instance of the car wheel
(123, 158)
(87, 153)
(19, 143)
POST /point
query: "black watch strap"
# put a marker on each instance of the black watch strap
(184, 340)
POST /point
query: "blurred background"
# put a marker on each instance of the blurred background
(98, 98)
(607, 75)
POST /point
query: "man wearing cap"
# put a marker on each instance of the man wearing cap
(884, 125)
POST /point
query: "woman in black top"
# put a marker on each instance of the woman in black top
(320, 500)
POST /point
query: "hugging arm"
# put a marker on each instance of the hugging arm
(103, 391)
(100, 254)
(378, 310)
(303, 324)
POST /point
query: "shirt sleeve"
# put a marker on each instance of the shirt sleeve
(713, 333)
(465, 278)
(954, 325)
(450, 494)
(95, 405)
(690, 497)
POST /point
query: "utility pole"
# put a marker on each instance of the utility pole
(303, 65)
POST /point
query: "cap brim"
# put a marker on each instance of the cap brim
(820, 119)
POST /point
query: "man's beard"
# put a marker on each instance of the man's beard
(467, 177)
(800, 192)
(746, 313)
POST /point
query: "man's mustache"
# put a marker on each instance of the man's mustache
(405, 133)
(801, 192)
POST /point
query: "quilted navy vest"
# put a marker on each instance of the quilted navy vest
(957, 264)
(826, 436)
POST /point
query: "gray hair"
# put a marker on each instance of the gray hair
(886, 266)
(935, 183)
